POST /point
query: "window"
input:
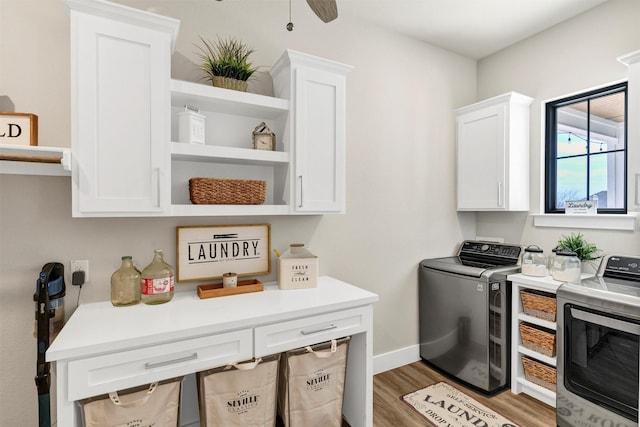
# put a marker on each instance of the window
(586, 152)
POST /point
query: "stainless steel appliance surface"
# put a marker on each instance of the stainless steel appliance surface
(464, 312)
(598, 355)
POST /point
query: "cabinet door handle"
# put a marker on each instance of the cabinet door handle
(192, 356)
(158, 185)
(301, 197)
(500, 202)
(321, 329)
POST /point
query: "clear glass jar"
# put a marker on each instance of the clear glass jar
(534, 262)
(551, 257)
(566, 267)
(157, 280)
(125, 284)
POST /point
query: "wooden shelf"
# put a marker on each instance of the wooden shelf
(35, 160)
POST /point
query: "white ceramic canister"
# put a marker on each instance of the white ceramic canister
(534, 262)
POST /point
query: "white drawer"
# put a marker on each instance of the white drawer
(116, 371)
(279, 337)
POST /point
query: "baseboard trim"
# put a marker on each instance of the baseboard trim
(396, 358)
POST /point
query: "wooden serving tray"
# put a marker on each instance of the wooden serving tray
(214, 290)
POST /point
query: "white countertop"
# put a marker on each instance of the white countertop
(100, 327)
(545, 281)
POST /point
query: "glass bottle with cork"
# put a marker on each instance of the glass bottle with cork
(157, 280)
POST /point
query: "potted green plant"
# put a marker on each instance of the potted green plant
(226, 63)
(584, 250)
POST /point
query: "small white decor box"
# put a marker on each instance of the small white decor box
(191, 125)
(298, 269)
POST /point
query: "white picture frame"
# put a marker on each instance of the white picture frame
(208, 252)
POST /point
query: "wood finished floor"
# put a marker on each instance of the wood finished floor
(390, 411)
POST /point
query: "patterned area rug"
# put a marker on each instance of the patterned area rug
(443, 405)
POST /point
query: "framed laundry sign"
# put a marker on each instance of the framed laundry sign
(18, 128)
(208, 252)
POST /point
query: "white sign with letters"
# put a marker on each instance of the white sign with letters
(581, 207)
(18, 128)
(208, 252)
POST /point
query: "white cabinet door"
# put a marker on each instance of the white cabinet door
(319, 141)
(481, 159)
(316, 89)
(493, 154)
(120, 78)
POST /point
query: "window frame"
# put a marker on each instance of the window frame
(550, 159)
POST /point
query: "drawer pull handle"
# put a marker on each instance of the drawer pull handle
(148, 365)
(324, 328)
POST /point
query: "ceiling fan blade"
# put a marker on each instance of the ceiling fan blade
(327, 10)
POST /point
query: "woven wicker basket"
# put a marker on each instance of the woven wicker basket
(538, 339)
(215, 191)
(229, 83)
(539, 373)
(539, 304)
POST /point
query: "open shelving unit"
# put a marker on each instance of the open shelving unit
(519, 383)
(230, 116)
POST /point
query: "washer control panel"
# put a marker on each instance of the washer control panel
(490, 249)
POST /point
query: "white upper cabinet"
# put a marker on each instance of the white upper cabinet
(120, 106)
(127, 159)
(316, 90)
(493, 154)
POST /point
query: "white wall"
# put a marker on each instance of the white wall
(570, 57)
(400, 169)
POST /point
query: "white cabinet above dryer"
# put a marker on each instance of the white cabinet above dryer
(493, 154)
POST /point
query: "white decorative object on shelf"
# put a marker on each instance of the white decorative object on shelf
(191, 125)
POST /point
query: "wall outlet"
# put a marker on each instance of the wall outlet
(81, 265)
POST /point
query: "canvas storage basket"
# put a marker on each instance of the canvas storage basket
(152, 405)
(239, 395)
(311, 387)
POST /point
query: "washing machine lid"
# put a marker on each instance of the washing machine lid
(478, 258)
(617, 281)
(454, 265)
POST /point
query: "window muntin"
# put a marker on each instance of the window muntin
(586, 150)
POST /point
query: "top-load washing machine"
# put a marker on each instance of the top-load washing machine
(464, 311)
